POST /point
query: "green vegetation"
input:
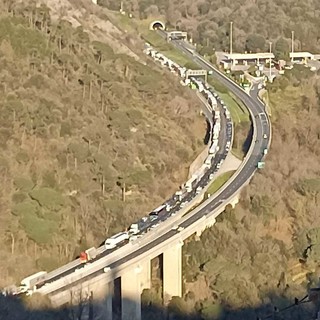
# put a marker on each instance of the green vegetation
(239, 115)
(219, 182)
(168, 50)
(82, 123)
(208, 22)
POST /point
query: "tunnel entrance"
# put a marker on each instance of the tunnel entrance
(157, 25)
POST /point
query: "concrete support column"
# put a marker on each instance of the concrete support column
(104, 306)
(109, 300)
(145, 275)
(234, 201)
(172, 272)
(131, 294)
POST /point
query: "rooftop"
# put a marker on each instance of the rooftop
(301, 55)
(249, 56)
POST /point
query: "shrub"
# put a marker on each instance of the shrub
(25, 207)
(47, 198)
(141, 178)
(114, 206)
(182, 153)
(65, 129)
(19, 197)
(37, 81)
(39, 230)
(80, 151)
(48, 263)
(23, 184)
(135, 115)
(49, 180)
(22, 157)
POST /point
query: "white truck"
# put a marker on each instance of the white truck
(112, 242)
(188, 184)
(208, 161)
(213, 148)
(28, 284)
(135, 228)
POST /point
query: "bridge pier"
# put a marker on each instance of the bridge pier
(172, 272)
(234, 201)
(109, 297)
(145, 275)
(131, 295)
(105, 306)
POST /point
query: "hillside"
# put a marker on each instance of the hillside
(254, 22)
(249, 261)
(83, 118)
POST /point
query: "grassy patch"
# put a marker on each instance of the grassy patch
(237, 109)
(240, 117)
(168, 50)
(219, 182)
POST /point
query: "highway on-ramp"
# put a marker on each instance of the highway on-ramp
(153, 240)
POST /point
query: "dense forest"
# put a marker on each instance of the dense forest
(255, 22)
(91, 139)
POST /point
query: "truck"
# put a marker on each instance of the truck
(112, 242)
(28, 284)
(213, 147)
(88, 255)
(158, 210)
(208, 161)
(136, 227)
(188, 184)
(216, 131)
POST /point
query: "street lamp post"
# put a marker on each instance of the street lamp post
(270, 47)
(231, 37)
(292, 44)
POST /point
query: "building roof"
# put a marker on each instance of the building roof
(301, 55)
(249, 56)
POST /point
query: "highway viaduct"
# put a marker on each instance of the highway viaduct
(132, 262)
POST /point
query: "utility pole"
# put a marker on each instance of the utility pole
(124, 192)
(292, 44)
(270, 46)
(231, 37)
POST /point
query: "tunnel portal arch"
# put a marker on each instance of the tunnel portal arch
(157, 25)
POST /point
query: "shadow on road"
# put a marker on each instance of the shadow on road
(247, 142)
(206, 138)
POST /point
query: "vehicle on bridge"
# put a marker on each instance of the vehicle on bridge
(118, 238)
(28, 284)
(88, 255)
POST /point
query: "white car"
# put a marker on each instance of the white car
(265, 136)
